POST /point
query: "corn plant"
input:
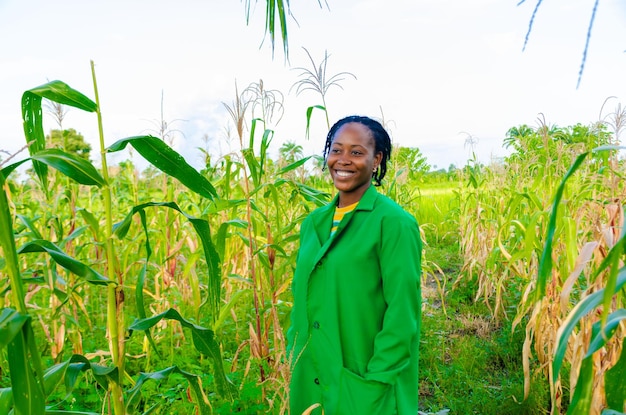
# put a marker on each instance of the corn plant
(596, 350)
(30, 383)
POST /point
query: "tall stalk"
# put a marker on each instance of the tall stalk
(115, 293)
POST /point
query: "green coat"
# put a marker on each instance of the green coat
(355, 322)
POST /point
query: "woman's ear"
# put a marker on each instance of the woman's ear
(378, 158)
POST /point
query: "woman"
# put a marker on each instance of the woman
(355, 322)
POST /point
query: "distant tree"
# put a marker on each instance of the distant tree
(289, 153)
(413, 160)
(69, 141)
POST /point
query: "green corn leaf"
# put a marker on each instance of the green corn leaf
(309, 113)
(293, 165)
(33, 130)
(56, 91)
(90, 219)
(222, 234)
(614, 385)
(59, 412)
(203, 231)
(7, 243)
(584, 307)
(195, 383)
(26, 381)
(545, 264)
(30, 225)
(64, 260)
(313, 195)
(60, 92)
(606, 332)
(204, 341)
(253, 165)
(225, 310)
(102, 374)
(54, 375)
(74, 167)
(6, 400)
(11, 324)
(6, 171)
(164, 158)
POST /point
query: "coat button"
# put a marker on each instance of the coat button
(316, 324)
(319, 263)
(317, 381)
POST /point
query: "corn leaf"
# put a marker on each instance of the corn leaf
(203, 340)
(583, 394)
(6, 171)
(584, 307)
(60, 92)
(195, 383)
(293, 165)
(79, 363)
(64, 260)
(309, 113)
(545, 264)
(56, 91)
(203, 230)
(6, 400)
(615, 387)
(606, 332)
(11, 323)
(74, 167)
(222, 234)
(164, 158)
(26, 380)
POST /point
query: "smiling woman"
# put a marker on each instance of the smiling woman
(355, 322)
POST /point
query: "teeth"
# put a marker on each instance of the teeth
(343, 173)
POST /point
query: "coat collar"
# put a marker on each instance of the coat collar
(322, 222)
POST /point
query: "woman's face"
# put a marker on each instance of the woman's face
(352, 159)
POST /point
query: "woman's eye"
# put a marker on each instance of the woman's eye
(356, 153)
(335, 151)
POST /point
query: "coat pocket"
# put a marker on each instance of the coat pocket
(358, 396)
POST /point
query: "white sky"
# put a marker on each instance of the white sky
(440, 69)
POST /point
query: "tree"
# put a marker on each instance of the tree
(70, 141)
(411, 159)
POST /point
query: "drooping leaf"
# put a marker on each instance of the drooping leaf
(66, 261)
(203, 230)
(102, 374)
(164, 158)
(74, 167)
(204, 341)
(56, 91)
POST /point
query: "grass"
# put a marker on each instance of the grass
(469, 364)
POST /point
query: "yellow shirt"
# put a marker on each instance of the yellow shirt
(340, 212)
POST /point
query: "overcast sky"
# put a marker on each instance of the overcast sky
(439, 69)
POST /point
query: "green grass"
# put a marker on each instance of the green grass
(469, 364)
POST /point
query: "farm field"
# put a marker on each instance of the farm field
(168, 290)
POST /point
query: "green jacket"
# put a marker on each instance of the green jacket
(355, 322)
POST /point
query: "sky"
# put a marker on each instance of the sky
(439, 71)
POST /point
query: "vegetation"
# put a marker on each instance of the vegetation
(168, 290)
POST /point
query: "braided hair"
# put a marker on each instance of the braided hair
(379, 134)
